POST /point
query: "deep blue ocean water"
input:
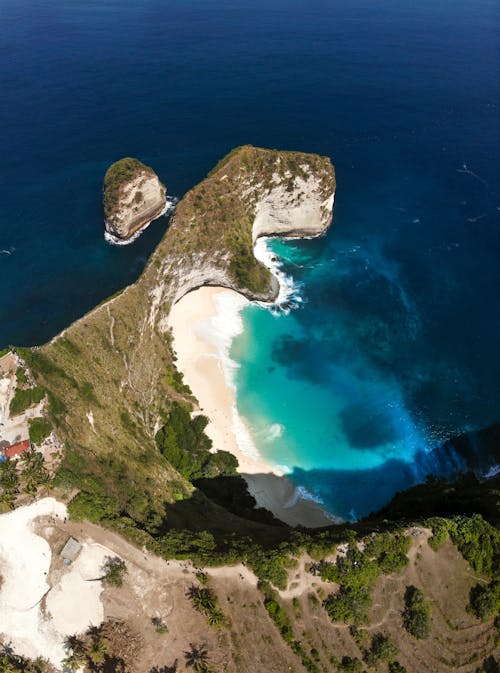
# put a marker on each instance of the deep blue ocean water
(395, 346)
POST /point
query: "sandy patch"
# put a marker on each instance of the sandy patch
(75, 603)
(203, 324)
(72, 598)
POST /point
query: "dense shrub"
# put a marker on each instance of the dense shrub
(205, 601)
(350, 665)
(39, 429)
(479, 543)
(417, 613)
(349, 604)
(396, 667)
(485, 600)
(382, 650)
(355, 569)
(114, 569)
(440, 529)
(183, 442)
(271, 565)
(25, 398)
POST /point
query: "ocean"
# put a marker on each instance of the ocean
(390, 345)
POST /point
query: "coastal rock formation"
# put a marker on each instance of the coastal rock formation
(133, 197)
(121, 355)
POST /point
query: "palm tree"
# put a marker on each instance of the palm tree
(97, 650)
(73, 662)
(74, 644)
(196, 657)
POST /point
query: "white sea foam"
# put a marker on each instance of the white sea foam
(492, 472)
(114, 240)
(275, 431)
(289, 291)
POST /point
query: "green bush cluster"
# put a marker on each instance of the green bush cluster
(21, 378)
(39, 429)
(440, 528)
(349, 604)
(117, 174)
(479, 543)
(114, 570)
(350, 665)
(185, 445)
(382, 649)
(25, 398)
(389, 550)
(356, 573)
(284, 624)
(484, 601)
(417, 613)
(205, 601)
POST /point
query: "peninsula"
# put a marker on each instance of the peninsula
(151, 550)
(122, 354)
(133, 197)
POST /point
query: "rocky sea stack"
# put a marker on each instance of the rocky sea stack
(133, 196)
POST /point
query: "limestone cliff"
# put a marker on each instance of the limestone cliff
(133, 196)
(116, 366)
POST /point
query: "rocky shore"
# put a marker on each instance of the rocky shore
(133, 197)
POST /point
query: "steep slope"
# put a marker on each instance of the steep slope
(111, 376)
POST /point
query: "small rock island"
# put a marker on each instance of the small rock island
(133, 196)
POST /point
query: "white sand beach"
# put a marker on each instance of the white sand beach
(203, 323)
(42, 601)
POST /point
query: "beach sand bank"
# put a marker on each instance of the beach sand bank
(203, 323)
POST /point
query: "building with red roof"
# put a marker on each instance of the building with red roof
(17, 449)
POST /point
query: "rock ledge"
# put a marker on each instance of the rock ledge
(133, 196)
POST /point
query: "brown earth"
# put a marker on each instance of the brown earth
(157, 589)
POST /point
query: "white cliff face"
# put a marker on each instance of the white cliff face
(142, 200)
(300, 211)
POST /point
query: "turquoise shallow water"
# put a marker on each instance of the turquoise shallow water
(319, 387)
(395, 346)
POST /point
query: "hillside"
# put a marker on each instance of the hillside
(110, 377)
(210, 582)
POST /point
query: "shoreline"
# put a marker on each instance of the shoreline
(204, 323)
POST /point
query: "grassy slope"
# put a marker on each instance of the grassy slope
(116, 363)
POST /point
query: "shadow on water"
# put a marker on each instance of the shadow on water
(353, 494)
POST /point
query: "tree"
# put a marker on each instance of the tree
(417, 613)
(484, 600)
(114, 569)
(197, 657)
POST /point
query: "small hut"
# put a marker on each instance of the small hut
(70, 550)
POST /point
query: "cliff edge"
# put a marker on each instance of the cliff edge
(111, 376)
(133, 196)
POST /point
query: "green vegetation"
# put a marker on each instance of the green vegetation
(114, 570)
(439, 528)
(25, 398)
(284, 624)
(485, 600)
(349, 604)
(28, 480)
(39, 429)
(389, 550)
(15, 663)
(9, 485)
(382, 649)
(417, 613)
(395, 667)
(21, 378)
(357, 572)
(185, 445)
(350, 665)
(117, 175)
(205, 601)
